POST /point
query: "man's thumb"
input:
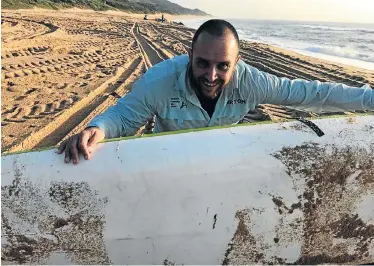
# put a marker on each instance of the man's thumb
(95, 138)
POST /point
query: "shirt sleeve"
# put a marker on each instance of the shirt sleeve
(313, 96)
(129, 114)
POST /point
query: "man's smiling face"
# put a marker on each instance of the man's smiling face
(213, 60)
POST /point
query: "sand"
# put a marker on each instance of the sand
(61, 68)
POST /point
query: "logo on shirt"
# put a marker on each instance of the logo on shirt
(176, 102)
(237, 101)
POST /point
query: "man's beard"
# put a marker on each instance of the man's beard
(197, 86)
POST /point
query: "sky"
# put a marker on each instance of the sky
(361, 11)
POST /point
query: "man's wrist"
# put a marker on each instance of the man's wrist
(95, 127)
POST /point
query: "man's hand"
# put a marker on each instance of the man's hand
(83, 142)
(150, 125)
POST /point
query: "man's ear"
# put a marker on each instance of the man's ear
(237, 59)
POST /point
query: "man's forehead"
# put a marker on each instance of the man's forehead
(227, 37)
(215, 59)
(215, 48)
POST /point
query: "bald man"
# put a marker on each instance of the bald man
(210, 86)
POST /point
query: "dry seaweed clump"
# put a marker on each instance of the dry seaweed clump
(336, 179)
(243, 246)
(332, 181)
(38, 221)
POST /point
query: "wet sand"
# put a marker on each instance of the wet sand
(62, 68)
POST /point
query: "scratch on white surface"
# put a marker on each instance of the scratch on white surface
(153, 249)
(232, 133)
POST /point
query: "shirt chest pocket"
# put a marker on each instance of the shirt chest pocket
(234, 109)
(180, 118)
(182, 112)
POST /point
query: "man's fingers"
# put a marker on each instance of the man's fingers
(150, 125)
(67, 152)
(83, 141)
(74, 149)
(62, 147)
(90, 149)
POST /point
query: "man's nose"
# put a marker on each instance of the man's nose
(212, 74)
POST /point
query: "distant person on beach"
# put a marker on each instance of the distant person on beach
(210, 86)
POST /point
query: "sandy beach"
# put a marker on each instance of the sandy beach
(62, 68)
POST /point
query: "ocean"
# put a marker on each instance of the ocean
(347, 43)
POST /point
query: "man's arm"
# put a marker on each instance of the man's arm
(129, 114)
(123, 119)
(306, 95)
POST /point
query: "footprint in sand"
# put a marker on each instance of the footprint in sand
(61, 86)
(87, 76)
(18, 114)
(28, 92)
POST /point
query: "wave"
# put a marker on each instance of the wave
(340, 52)
(318, 40)
(336, 51)
(320, 27)
(241, 32)
(248, 35)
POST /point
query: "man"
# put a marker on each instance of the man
(209, 87)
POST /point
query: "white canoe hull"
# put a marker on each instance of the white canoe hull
(271, 193)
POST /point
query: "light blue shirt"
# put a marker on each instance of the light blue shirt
(164, 92)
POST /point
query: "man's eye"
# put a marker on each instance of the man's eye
(223, 67)
(202, 64)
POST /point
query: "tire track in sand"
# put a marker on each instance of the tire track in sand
(50, 134)
(123, 87)
(150, 54)
(47, 27)
(46, 82)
